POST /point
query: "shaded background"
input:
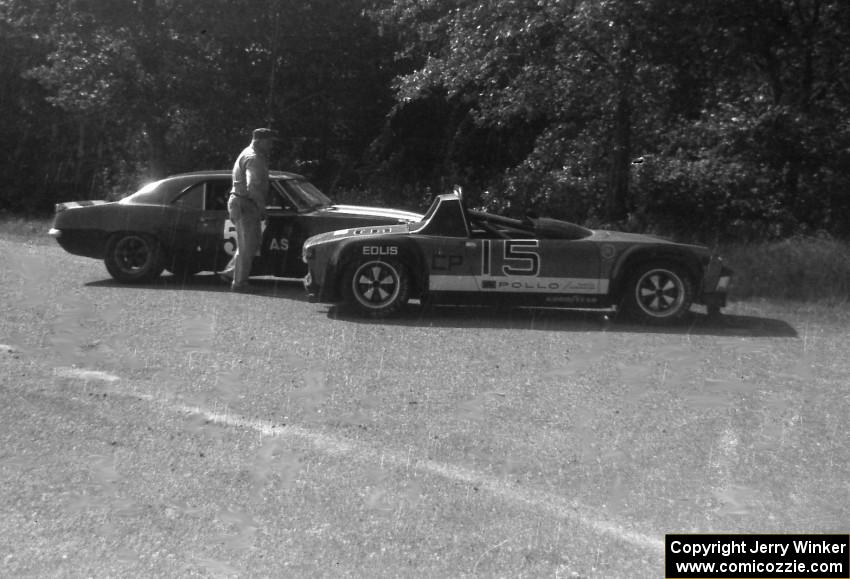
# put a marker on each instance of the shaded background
(710, 120)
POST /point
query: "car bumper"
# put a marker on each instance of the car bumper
(88, 243)
(313, 289)
(715, 284)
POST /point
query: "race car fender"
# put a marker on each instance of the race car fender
(402, 249)
(634, 256)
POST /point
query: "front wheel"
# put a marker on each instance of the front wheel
(133, 257)
(658, 293)
(376, 288)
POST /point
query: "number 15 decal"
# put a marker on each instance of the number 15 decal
(519, 257)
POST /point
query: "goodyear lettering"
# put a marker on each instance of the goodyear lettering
(572, 300)
(379, 250)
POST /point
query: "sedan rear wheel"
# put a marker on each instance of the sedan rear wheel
(376, 288)
(658, 294)
(133, 257)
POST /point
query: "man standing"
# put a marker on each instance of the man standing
(247, 206)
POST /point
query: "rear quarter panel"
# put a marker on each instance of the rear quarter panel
(85, 230)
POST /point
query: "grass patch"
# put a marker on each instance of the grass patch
(799, 268)
(25, 229)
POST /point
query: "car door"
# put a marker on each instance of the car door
(200, 229)
(276, 251)
(541, 267)
(215, 233)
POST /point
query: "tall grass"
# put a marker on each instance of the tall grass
(799, 268)
(25, 229)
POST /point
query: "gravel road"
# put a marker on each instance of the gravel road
(179, 430)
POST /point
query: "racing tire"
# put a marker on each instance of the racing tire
(133, 257)
(658, 294)
(376, 288)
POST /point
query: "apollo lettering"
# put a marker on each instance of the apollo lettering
(379, 250)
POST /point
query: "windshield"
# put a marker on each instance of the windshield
(415, 227)
(304, 195)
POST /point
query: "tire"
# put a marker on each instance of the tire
(133, 257)
(376, 288)
(658, 293)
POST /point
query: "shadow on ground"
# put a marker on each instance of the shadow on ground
(292, 289)
(548, 319)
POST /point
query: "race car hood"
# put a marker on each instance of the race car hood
(364, 231)
(359, 210)
(600, 235)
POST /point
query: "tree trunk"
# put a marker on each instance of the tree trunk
(618, 187)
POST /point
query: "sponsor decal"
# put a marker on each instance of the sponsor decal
(379, 250)
(281, 244)
(545, 285)
(539, 285)
(572, 300)
(607, 251)
(445, 262)
(230, 238)
(513, 257)
(73, 204)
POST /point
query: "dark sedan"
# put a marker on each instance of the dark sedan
(181, 224)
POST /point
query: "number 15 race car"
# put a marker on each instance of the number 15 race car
(459, 256)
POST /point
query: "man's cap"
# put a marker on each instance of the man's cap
(265, 134)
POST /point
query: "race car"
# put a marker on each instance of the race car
(459, 256)
(181, 224)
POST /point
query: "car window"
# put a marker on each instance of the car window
(191, 198)
(447, 219)
(304, 195)
(278, 198)
(218, 191)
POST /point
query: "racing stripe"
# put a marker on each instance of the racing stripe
(518, 284)
(452, 283)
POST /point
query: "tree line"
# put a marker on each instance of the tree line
(700, 118)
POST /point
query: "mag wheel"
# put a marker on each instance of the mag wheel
(376, 288)
(133, 257)
(658, 294)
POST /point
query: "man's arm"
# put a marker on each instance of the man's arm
(257, 181)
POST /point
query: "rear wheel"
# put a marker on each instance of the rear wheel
(133, 257)
(658, 293)
(376, 288)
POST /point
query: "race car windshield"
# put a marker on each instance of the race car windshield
(305, 195)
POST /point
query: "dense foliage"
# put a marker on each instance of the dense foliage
(709, 119)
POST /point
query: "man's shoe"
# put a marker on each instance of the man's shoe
(243, 287)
